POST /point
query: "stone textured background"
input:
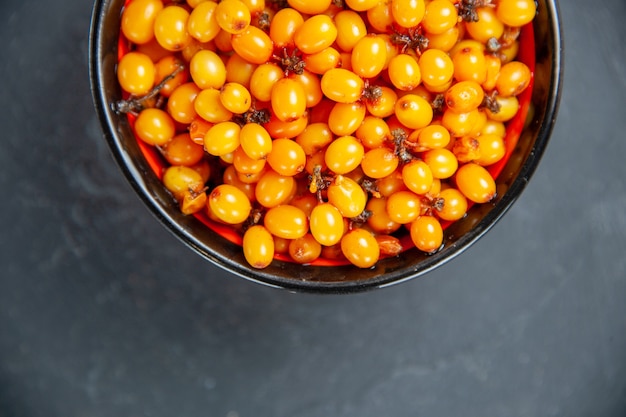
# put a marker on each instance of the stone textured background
(104, 313)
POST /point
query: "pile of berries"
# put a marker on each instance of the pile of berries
(325, 131)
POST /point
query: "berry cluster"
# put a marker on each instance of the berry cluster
(328, 129)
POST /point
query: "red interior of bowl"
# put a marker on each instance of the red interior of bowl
(526, 54)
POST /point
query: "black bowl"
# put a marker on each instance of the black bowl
(511, 181)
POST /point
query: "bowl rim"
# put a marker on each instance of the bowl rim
(135, 176)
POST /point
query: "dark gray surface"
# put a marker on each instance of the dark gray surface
(104, 313)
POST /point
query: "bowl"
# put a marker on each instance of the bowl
(527, 138)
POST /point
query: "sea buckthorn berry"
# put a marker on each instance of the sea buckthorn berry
(344, 154)
(311, 85)
(136, 73)
(408, 13)
(253, 45)
(169, 66)
(153, 50)
(222, 42)
(466, 149)
(138, 20)
(181, 150)
(263, 79)
(390, 184)
(207, 69)
(232, 16)
(404, 72)
(155, 126)
(258, 246)
(514, 77)
(436, 67)
(315, 136)
(305, 249)
(181, 179)
(202, 23)
(491, 149)
(369, 56)
(198, 128)
(453, 204)
(255, 141)
(417, 176)
(280, 129)
(208, 105)
(380, 17)
(342, 85)
(288, 99)
(439, 16)
(427, 234)
(229, 204)
(442, 162)
(286, 221)
(222, 138)
(273, 189)
(309, 7)
(350, 29)
(315, 34)
(347, 195)
(403, 206)
(444, 41)
(305, 201)
(487, 25)
(361, 5)
(170, 28)
(507, 109)
(326, 224)
(283, 26)
(287, 157)
(492, 127)
(180, 104)
(238, 70)
(384, 105)
(476, 183)
(464, 96)
(246, 165)
(235, 97)
(413, 111)
(255, 6)
(461, 124)
(516, 13)
(433, 136)
(470, 65)
(322, 61)
(373, 132)
(345, 118)
(492, 65)
(360, 248)
(379, 221)
(379, 162)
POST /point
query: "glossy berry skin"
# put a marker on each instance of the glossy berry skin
(136, 73)
(258, 246)
(427, 234)
(286, 221)
(516, 13)
(288, 99)
(342, 85)
(232, 16)
(137, 23)
(315, 34)
(326, 223)
(476, 183)
(229, 204)
(360, 248)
